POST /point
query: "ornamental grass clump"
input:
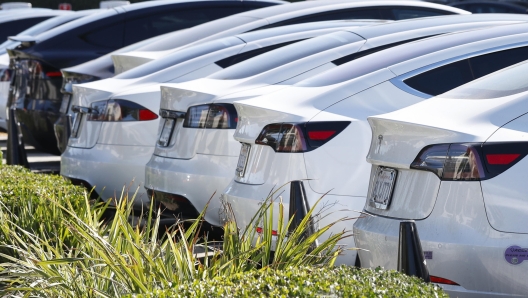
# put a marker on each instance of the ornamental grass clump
(123, 257)
(26, 208)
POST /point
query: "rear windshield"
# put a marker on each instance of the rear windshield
(285, 55)
(179, 57)
(509, 81)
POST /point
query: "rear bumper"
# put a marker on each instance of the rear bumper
(463, 246)
(200, 180)
(110, 169)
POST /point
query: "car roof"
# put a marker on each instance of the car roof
(118, 10)
(403, 53)
(272, 15)
(411, 24)
(20, 14)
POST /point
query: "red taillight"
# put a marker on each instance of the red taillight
(320, 135)
(441, 280)
(216, 116)
(469, 161)
(290, 137)
(119, 110)
(53, 74)
(260, 230)
(501, 159)
(146, 115)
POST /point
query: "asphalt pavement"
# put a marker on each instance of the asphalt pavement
(38, 161)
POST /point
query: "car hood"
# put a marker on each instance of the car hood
(399, 136)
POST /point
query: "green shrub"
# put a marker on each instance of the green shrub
(27, 203)
(123, 258)
(306, 282)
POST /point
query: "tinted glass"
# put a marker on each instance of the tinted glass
(285, 55)
(230, 61)
(179, 57)
(442, 79)
(108, 37)
(142, 28)
(344, 14)
(506, 82)
(490, 8)
(403, 13)
(14, 27)
(486, 64)
(445, 78)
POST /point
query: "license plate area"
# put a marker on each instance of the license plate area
(242, 159)
(383, 182)
(166, 132)
(76, 125)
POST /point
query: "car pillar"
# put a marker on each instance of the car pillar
(16, 153)
(411, 260)
(299, 208)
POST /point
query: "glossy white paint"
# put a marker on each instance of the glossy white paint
(466, 249)
(146, 92)
(339, 166)
(108, 163)
(254, 20)
(200, 187)
(473, 224)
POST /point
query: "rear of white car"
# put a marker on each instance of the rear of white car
(455, 164)
(337, 168)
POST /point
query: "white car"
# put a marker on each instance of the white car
(455, 164)
(122, 148)
(282, 15)
(318, 130)
(192, 162)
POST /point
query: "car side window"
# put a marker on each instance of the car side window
(450, 76)
(486, 64)
(149, 26)
(442, 79)
(14, 27)
(343, 14)
(403, 13)
(108, 37)
(490, 8)
(229, 61)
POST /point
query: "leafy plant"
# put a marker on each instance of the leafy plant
(124, 258)
(306, 281)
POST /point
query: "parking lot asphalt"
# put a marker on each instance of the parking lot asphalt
(38, 161)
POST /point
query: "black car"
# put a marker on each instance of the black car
(14, 21)
(37, 62)
(300, 12)
(492, 6)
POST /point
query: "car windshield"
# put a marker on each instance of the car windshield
(509, 81)
(285, 55)
(179, 57)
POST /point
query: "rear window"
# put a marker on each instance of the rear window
(179, 57)
(505, 82)
(285, 55)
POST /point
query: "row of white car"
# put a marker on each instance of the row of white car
(232, 120)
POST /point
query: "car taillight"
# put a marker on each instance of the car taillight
(299, 137)
(469, 161)
(37, 69)
(441, 280)
(219, 116)
(119, 110)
